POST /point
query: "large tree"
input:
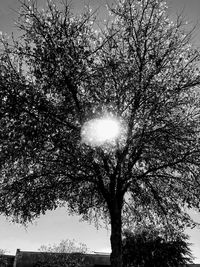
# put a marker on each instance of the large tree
(63, 72)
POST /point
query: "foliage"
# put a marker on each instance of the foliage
(67, 253)
(148, 248)
(2, 251)
(63, 72)
(65, 246)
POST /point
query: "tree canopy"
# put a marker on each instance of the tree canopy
(65, 246)
(66, 253)
(63, 72)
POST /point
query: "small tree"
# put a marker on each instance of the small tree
(65, 254)
(61, 74)
(2, 251)
(148, 248)
(65, 246)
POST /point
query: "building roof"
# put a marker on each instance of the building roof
(31, 259)
(34, 259)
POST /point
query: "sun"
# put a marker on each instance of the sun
(99, 131)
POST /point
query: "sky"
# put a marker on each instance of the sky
(57, 225)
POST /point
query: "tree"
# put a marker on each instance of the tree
(63, 72)
(65, 246)
(148, 247)
(2, 251)
(66, 253)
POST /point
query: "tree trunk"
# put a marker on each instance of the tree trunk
(116, 236)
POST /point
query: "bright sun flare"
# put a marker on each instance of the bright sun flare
(99, 131)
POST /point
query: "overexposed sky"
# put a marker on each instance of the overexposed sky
(57, 225)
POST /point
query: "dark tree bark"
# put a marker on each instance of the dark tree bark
(116, 234)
